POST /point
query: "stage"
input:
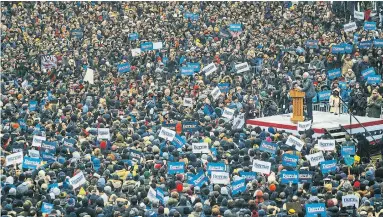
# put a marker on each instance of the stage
(322, 121)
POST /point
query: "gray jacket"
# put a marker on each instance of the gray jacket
(308, 88)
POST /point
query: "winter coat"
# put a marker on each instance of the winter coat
(374, 107)
(335, 104)
(309, 88)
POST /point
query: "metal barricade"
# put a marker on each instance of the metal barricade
(321, 107)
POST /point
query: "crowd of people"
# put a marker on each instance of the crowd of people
(105, 105)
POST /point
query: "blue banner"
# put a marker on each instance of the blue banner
(176, 167)
(191, 16)
(224, 34)
(195, 66)
(289, 177)
(224, 87)
(289, 160)
(160, 195)
(378, 43)
(268, 147)
(22, 124)
(305, 176)
(135, 155)
(368, 72)
(178, 141)
(235, 27)
(313, 209)
(46, 208)
(48, 157)
(214, 151)
(324, 95)
(337, 49)
(48, 147)
(187, 71)
(369, 26)
(342, 85)
(124, 67)
(249, 176)
(170, 126)
(334, 73)
(146, 46)
(133, 36)
(77, 33)
(238, 186)
(31, 163)
(365, 44)
(312, 44)
(189, 126)
(32, 105)
(348, 150)
(374, 79)
(356, 38)
(328, 166)
(348, 48)
(69, 143)
(198, 180)
(216, 167)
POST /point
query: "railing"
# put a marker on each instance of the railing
(325, 107)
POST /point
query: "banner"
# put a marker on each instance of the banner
(313, 209)
(195, 66)
(302, 126)
(48, 62)
(268, 147)
(152, 195)
(178, 141)
(32, 105)
(135, 155)
(348, 150)
(235, 27)
(188, 102)
(146, 46)
(215, 167)
(228, 113)
(209, 69)
(292, 140)
(176, 167)
(133, 36)
(187, 71)
(190, 126)
(334, 73)
(326, 144)
(289, 177)
(38, 140)
(350, 27)
(200, 148)
(378, 42)
(289, 160)
(124, 67)
(220, 178)
(170, 126)
(33, 153)
(374, 79)
(242, 67)
(191, 16)
(167, 134)
(315, 159)
(77, 33)
(328, 166)
(31, 163)
(46, 208)
(365, 44)
(48, 157)
(238, 122)
(359, 15)
(350, 200)
(224, 87)
(312, 44)
(136, 52)
(261, 166)
(157, 45)
(77, 180)
(160, 195)
(324, 95)
(348, 48)
(69, 143)
(368, 72)
(198, 180)
(337, 49)
(89, 76)
(16, 158)
(249, 176)
(48, 147)
(305, 176)
(369, 26)
(103, 133)
(215, 93)
(238, 186)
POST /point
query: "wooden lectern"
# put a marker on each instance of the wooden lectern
(297, 105)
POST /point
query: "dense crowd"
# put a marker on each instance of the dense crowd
(105, 105)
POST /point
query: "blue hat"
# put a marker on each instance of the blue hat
(314, 190)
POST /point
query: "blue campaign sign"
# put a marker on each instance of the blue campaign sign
(178, 141)
(160, 195)
(356, 38)
(374, 79)
(313, 209)
(135, 155)
(328, 166)
(337, 49)
(224, 87)
(365, 44)
(224, 33)
(48, 147)
(191, 16)
(22, 124)
(176, 167)
(77, 33)
(368, 72)
(238, 186)
(195, 66)
(342, 85)
(249, 176)
(348, 150)
(215, 167)
(214, 151)
(146, 46)
(348, 48)
(189, 126)
(187, 71)
(31, 163)
(268, 147)
(312, 43)
(348, 160)
(290, 160)
(69, 143)
(46, 208)
(133, 36)
(334, 73)
(48, 157)
(235, 27)
(124, 67)
(369, 26)
(198, 180)
(378, 43)
(32, 105)
(324, 95)
(305, 176)
(289, 177)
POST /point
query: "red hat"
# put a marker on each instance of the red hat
(157, 166)
(103, 144)
(180, 187)
(356, 184)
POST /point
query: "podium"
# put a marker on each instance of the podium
(298, 112)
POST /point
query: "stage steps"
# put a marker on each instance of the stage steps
(337, 133)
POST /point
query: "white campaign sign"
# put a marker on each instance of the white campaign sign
(292, 140)
(136, 52)
(326, 144)
(16, 158)
(302, 126)
(103, 133)
(202, 147)
(350, 200)
(350, 27)
(77, 180)
(220, 178)
(34, 153)
(242, 67)
(359, 15)
(89, 76)
(315, 159)
(157, 45)
(209, 69)
(228, 113)
(238, 122)
(215, 93)
(167, 134)
(188, 102)
(152, 195)
(261, 166)
(38, 140)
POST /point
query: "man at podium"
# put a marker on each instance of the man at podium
(309, 89)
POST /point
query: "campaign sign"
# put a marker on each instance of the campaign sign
(133, 36)
(199, 148)
(289, 177)
(198, 180)
(38, 140)
(178, 141)
(369, 26)
(77, 33)
(187, 71)
(324, 95)
(190, 126)
(34, 153)
(337, 49)
(378, 42)
(350, 200)
(103, 133)
(69, 143)
(22, 123)
(334, 73)
(48, 147)
(160, 195)
(268, 147)
(249, 176)
(328, 166)
(48, 157)
(31, 163)
(196, 66)
(368, 72)
(224, 87)
(77, 180)
(167, 134)
(46, 208)
(228, 113)
(326, 144)
(315, 158)
(302, 126)
(176, 167)
(217, 167)
(135, 155)
(348, 150)
(124, 67)
(312, 44)
(313, 209)
(16, 158)
(289, 160)
(146, 46)
(32, 105)
(170, 126)
(365, 44)
(261, 166)
(305, 176)
(350, 27)
(209, 69)
(242, 67)
(374, 79)
(342, 85)
(238, 186)
(294, 141)
(220, 178)
(235, 27)
(359, 15)
(215, 93)
(348, 48)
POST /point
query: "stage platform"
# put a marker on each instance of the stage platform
(322, 121)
